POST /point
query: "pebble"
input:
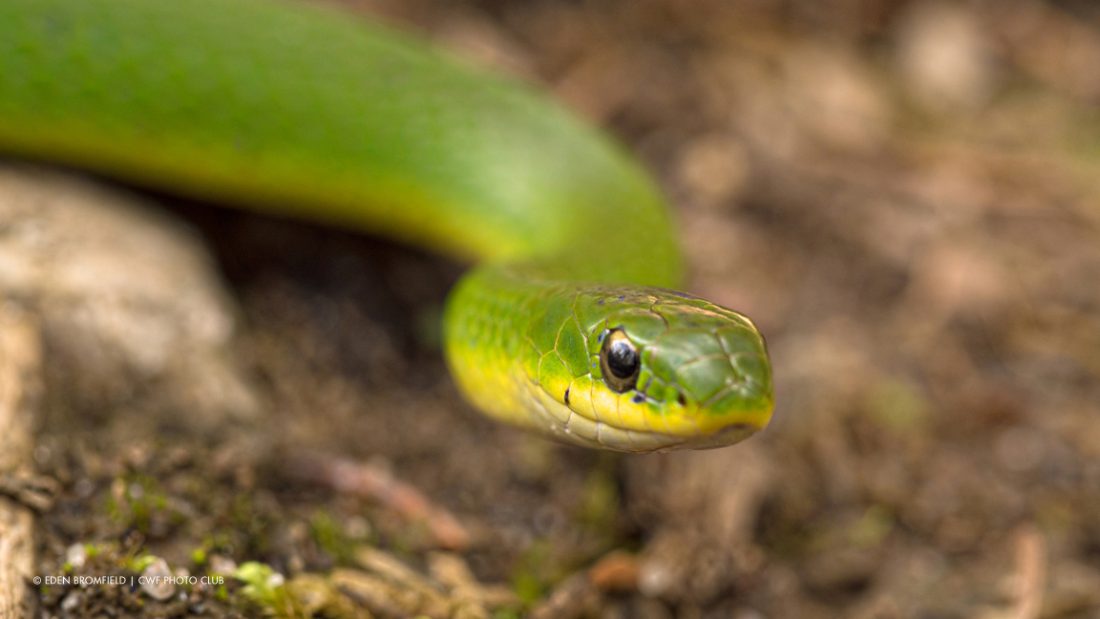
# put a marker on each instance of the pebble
(222, 565)
(76, 555)
(157, 580)
(72, 601)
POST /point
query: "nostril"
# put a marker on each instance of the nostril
(681, 399)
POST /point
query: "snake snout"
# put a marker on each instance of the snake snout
(723, 382)
(716, 364)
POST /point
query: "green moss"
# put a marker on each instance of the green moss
(898, 405)
(138, 564)
(91, 551)
(331, 538)
(263, 586)
(873, 527)
(534, 573)
(599, 500)
(251, 525)
(141, 500)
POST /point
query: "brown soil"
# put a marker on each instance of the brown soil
(904, 197)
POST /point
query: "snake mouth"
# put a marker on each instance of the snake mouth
(563, 422)
(633, 441)
(723, 438)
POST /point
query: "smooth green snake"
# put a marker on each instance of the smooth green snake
(567, 324)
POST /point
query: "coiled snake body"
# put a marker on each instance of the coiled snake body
(567, 324)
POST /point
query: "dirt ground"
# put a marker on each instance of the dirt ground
(904, 196)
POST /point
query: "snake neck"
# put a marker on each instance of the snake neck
(526, 344)
(512, 329)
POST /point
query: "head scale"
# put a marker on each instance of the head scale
(651, 369)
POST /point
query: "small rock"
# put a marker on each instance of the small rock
(76, 555)
(72, 601)
(654, 579)
(313, 593)
(157, 580)
(715, 169)
(946, 55)
(221, 565)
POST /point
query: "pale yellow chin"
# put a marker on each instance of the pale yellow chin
(602, 419)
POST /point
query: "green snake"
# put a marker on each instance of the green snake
(567, 324)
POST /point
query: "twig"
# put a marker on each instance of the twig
(615, 571)
(378, 484)
(1031, 567)
(34, 492)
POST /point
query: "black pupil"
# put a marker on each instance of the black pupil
(622, 359)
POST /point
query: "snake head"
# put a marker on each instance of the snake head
(661, 370)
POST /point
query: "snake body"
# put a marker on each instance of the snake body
(567, 324)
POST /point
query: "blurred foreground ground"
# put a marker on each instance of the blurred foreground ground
(906, 199)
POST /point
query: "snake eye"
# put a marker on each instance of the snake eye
(619, 361)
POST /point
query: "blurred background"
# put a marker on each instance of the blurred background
(905, 196)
